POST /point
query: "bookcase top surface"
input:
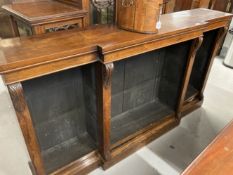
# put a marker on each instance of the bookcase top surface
(18, 53)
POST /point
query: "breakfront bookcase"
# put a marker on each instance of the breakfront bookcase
(90, 98)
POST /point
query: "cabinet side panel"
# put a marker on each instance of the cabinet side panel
(202, 59)
(59, 113)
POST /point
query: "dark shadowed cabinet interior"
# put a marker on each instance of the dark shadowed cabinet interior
(202, 65)
(104, 92)
(63, 111)
(145, 89)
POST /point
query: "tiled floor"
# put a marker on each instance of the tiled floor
(168, 155)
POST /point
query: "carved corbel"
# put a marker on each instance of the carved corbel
(15, 91)
(196, 45)
(107, 74)
(26, 124)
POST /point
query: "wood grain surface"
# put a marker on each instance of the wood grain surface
(217, 158)
(43, 10)
(72, 48)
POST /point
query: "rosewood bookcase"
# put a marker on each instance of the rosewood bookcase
(90, 98)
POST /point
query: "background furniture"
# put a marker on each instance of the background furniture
(139, 16)
(228, 61)
(217, 158)
(102, 11)
(45, 16)
(81, 4)
(5, 29)
(179, 5)
(221, 5)
(183, 5)
(99, 97)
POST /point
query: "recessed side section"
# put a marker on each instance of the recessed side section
(201, 64)
(63, 110)
(145, 89)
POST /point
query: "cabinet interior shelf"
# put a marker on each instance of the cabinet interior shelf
(191, 93)
(130, 122)
(68, 151)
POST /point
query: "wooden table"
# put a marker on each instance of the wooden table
(217, 158)
(45, 16)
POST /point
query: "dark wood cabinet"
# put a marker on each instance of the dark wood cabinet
(41, 17)
(90, 98)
